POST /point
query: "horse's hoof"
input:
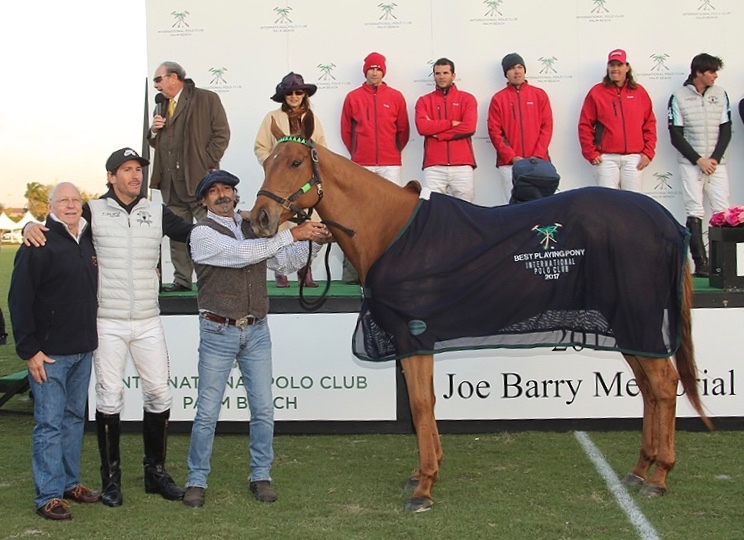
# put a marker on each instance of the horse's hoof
(411, 485)
(632, 479)
(652, 490)
(419, 504)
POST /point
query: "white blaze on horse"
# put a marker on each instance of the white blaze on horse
(591, 267)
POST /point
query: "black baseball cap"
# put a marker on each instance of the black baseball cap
(121, 156)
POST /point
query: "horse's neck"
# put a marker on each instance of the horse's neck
(374, 208)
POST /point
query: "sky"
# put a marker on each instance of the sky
(73, 90)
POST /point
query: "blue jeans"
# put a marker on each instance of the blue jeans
(220, 346)
(59, 411)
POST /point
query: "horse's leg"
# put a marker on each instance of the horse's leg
(637, 475)
(657, 380)
(419, 374)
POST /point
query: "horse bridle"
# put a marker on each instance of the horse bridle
(288, 203)
(301, 216)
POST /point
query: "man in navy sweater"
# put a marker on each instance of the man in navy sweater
(53, 303)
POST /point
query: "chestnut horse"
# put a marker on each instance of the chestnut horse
(366, 213)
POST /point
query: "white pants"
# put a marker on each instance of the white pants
(619, 171)
(145, 341)
(388, 172)
(505, 183)
(695, 183)
(459, 180)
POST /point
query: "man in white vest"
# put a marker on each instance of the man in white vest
(127, 231)
(700, 130)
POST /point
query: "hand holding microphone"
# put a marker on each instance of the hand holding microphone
(158, 120)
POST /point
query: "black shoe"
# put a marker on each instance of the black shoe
(108, 427)
(263, 491)
(157, 480)
(176, 287)
(111, 494)
(3, 339)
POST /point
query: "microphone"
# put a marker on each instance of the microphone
(159, 99)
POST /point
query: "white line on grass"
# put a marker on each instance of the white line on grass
(626, 503)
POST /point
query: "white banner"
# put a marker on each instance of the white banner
(315, 375)
(316, 378)
(542, 383)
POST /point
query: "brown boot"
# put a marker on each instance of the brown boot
(281, 281)
(306, 274)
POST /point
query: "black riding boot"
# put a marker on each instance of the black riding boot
(155, 436)
(697, 247)
(108, 445)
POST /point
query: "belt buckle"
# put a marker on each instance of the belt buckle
(242, 322)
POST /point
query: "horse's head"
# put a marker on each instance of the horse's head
(291, 171)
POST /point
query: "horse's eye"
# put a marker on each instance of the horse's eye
(296, 163)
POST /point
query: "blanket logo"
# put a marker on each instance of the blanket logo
(549, 261)
(416, 327)
(546, 234)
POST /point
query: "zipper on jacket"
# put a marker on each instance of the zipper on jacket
(377, 138)
(622, 120)
(521, 127)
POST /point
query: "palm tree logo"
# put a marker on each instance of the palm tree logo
(599, 6)
(706, 5)
(663, 180)
(325, 70)
(430, 63)
(387, 11)
(180, 19)
(659, 61)
(547, 64)
(547, 234)
(493, 7)
(283, 13)
(217, 75)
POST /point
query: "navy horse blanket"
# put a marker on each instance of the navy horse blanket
(590, 267)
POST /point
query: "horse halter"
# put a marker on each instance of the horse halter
(288, 203)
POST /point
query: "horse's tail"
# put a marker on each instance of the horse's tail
(685, 355)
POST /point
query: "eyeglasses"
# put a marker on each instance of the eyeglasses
(68, 202)
(159, 78)
(296, 93)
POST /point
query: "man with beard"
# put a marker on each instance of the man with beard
(446, 118)
(230, 265)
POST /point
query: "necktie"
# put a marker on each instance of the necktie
(171, 107)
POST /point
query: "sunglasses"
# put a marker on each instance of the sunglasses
(296, 93)
(159, 78)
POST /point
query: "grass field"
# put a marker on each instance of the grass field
(536, 485)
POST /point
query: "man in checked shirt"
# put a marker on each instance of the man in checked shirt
(230, 265)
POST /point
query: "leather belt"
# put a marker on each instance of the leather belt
(238, 323)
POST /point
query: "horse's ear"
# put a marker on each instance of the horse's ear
(308, 125)
(414, 186)
(276, 131)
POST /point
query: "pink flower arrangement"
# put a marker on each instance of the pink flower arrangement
(731, 217)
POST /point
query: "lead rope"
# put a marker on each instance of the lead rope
(315, 305)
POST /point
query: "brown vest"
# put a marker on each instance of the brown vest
(232, 292)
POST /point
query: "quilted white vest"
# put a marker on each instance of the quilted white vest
(128, 251)
(701, 116)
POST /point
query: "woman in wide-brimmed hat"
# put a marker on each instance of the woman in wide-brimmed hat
(293, 93)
